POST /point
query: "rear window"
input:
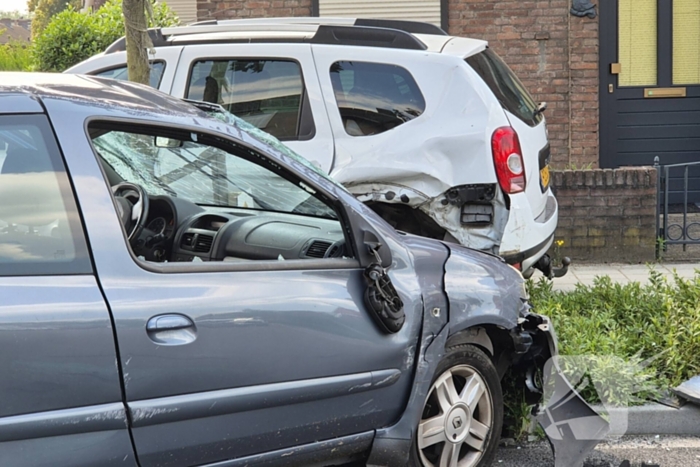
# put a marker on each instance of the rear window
(508, 89)
(375, 97)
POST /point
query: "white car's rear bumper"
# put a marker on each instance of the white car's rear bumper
(528, 237)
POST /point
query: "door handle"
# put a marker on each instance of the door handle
(171, 329)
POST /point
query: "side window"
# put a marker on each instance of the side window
(120, 72)
(266, 93)
(40, 229)
(508, 89)
(210, 200)
(374, 97)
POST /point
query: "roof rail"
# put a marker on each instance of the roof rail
(333, 34)
(367, 37)
(414, 27)
(120, 44)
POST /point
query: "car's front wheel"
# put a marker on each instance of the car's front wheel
(463, 413)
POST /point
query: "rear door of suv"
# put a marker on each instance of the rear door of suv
(272, 86)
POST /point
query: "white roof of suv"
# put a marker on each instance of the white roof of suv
(339, 31)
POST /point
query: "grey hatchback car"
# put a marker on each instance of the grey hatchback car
(176, 291)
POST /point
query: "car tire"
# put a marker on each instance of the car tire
(462, 416)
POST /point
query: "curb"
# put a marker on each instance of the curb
(653, 419)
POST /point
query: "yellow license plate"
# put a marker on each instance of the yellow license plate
(544, 177)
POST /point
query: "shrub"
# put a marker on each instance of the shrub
(15, 57)
(639, 339)
(72, 37)
(44, 10)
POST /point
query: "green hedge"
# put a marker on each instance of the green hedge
(15, 57)
(638, 339)
(72, 37)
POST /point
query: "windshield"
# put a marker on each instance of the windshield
(204, 174)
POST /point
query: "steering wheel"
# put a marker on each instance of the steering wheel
(132, 203)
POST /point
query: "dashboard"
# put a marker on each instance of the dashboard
(178, 230)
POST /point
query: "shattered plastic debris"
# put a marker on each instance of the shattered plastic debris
(690, 390)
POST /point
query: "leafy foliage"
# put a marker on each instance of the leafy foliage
(72, 37)
(45, 10)
(15, 57)
(639, 339)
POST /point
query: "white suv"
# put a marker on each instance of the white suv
(433, 132)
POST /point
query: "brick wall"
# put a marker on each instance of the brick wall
(555, 54)
(227, 9)
(607, 214)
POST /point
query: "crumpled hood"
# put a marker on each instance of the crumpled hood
(482, 288)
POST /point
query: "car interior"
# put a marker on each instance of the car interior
(213, 205)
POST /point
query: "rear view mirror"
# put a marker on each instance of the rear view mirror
(163, 142)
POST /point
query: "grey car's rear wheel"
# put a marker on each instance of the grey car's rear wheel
(463, 414)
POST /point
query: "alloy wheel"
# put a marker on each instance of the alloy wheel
(457, 419)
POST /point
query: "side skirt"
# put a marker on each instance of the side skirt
(344, 449)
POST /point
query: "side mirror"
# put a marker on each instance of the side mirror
(376, 249)
(169, 143)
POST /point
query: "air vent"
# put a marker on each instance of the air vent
(203, 243)
(318, 249)
(187, 241)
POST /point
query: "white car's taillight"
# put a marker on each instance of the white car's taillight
(508, 159)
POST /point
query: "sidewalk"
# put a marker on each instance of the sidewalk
(623, 273)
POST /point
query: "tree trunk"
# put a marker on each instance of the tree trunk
(137, 40)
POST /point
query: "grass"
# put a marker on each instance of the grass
(15, 57)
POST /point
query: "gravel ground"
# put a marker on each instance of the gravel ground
(664, 451)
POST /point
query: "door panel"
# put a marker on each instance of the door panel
(253, 330)
(60, 386)
(319, 147)
(650, 40)
(287, 333)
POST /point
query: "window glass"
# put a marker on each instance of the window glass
(686, 42)
(211, 200)
(121, 73)
(637, 23)
(265, 93)
(204, 174)
(508, 89)
(40, 231)
(374, 97)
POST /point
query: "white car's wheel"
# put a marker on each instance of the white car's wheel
(463, 413)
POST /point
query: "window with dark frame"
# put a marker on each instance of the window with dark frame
(267, 93)
(374, 97)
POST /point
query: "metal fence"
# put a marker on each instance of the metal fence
(677, 214)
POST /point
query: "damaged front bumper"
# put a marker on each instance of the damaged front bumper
(572, 427)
